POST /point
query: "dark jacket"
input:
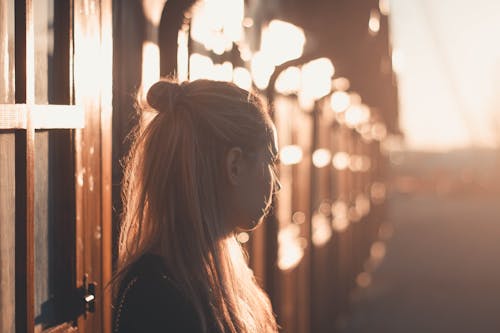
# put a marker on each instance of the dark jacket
(148, 301)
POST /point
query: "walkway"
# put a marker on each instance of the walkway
(442, 269)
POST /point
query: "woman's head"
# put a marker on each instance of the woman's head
(226, 145)
(200, 169)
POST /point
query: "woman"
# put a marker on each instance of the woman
(201, 170)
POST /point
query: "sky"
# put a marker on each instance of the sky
(449, 81)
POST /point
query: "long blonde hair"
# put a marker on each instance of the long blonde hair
(173, 199)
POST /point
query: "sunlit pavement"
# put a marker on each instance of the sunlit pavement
(441, 272)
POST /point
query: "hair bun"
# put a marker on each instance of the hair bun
(163, 94)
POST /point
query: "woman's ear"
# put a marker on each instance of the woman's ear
(234, 166)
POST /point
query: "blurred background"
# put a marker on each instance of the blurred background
(388, 119)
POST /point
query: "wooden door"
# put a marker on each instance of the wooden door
(55, 152)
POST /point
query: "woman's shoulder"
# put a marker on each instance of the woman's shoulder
(149, 300)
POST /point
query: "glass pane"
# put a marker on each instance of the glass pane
(7, 55)
(44, 41)
(44, 49)
(46, 313)
(54, 222)
(7, 172)
(43, 231)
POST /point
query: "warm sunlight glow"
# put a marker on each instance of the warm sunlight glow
(384, 7)
(306, 102)
(299, 217)
(222, 72)
(341, 83)
(282, 41)
(378, 250)
(357, 115)
(374, 22)
(447, 74)
(182, 55)
(152, 10)
(362, 204)
(340, 220)
(397, 60)
(89, 61)
(325, 207)
(288, 82)
(317, 78)
(355, 98)
(379, 131)
(262, 69)
(340, 101)
(200, 67)
(245, 52)
(290, 247)
(364, 280)
(57, 116)
(339, 208)
(366, 132)
(242, 78)
(340, 223)
(378, 192)
(217, 24)
(150, 65)
(247, 22)
(355, 163)
(291, 154)
(243, 237)
(321, 229)
(321, 157)
(341, 160)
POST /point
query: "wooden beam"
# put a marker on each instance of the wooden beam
(15, 116)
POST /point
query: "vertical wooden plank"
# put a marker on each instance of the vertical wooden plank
(30, 170)
(7, 173)
(93, 54)
(25, 93)
(79, 169)
(87, 62)
(7, 223)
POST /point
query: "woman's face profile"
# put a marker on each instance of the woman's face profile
(252, 185)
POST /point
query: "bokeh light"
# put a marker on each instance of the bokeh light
(290, 247)
(242, 78)
(317, 78)
(321, 229)
(289, 81)
(341, 160)
(321, 157)
(340, 101)
(291, 154)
